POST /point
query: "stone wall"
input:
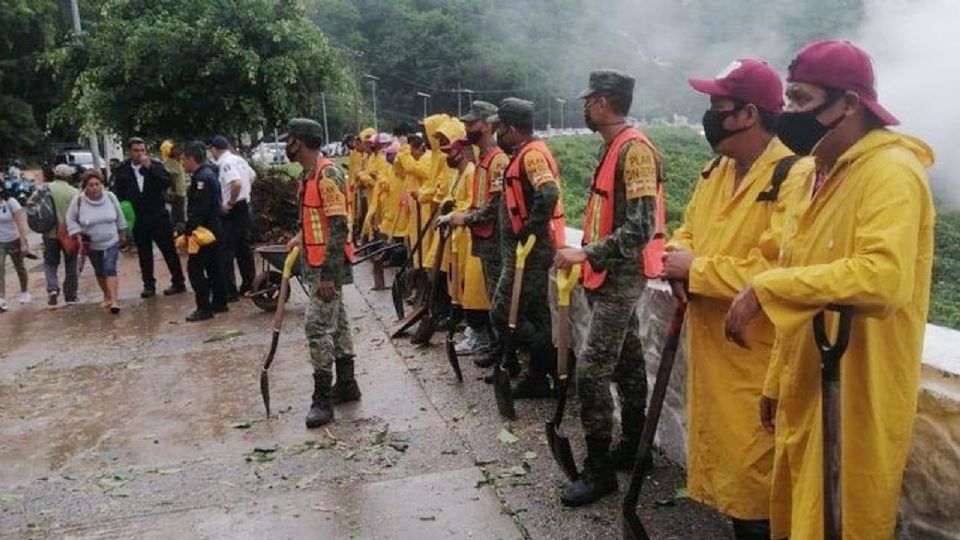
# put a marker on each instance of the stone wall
(930, 504)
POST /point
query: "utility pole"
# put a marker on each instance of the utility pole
(460, 93)
(373, 82)
(561, 102)
(94, 143)
(323, 105)
(425, 97)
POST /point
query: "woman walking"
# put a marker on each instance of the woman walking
(95, 215)
(13, 242)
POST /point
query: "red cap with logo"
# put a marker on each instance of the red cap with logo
(839, 64)
(746, 80)
(455, 145)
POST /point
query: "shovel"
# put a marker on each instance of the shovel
(501, 373)
(632, 527)
(288, 264)
(456, 312)
(399, 278)
(830, 355)
(559, 443)
(428, 319)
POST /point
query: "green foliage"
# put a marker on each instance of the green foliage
(186, 68)
(945, 290)
(685, 154)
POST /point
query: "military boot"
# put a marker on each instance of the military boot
(346, 388)
(624, 453)
(597, 479)
(321, 412)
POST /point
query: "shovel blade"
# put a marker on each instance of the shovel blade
(562, 453)
(453, 358)
(424, 331)
(503, 393)
(265, 389)
(396, 291)
(632, 528)
(406, 323)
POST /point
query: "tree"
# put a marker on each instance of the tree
(187, 68)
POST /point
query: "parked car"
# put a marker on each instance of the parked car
(269, 153)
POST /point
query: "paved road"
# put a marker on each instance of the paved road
(143, 426)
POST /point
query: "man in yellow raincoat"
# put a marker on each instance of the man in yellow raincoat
(862, 237)
(730, 233)
(436, 166)
(360, 184)
(411, 167)
(477, 207)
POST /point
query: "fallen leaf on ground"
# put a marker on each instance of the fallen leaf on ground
(261, 455)
(463, 413)
(113, 481)
(510, 472)
(506, 437)
(307, 480)
(528, 455)
(224, 335)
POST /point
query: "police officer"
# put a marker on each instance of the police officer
(203, 210)
(236, 177)
(322, 239)
(619, 221)
(531, 196)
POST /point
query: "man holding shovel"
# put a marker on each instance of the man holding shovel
(862, 237)
(322, 240)
(619, 222)
(730, 233)
(531, 194)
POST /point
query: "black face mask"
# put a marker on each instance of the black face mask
(801, 131)
(453, 162)
(474, 137)
(589, 122)
(713, 126)
(503, 144)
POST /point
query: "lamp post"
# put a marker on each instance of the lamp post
(373, 82)
(561, 102)
(425, 97)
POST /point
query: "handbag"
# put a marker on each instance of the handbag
(69, 244)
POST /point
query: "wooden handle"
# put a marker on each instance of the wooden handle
(563, 341)
(566, 280)
(515, 297)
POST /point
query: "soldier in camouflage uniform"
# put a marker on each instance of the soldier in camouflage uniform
(325, 271)
(537, 177)
(482, 218)
(615, 231)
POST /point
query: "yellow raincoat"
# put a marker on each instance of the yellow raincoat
(435, 163)
(415, 173)
(441, 175)
(865, 240)
(733, 237)
(378, 177)
(471, 293)
(398, 196)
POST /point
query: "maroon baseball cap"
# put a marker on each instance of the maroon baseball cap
(835, 63)
(747, 80)
(455, 145)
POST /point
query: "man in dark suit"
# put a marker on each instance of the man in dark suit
(142, 181)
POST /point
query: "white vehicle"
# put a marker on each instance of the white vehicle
(270, 153)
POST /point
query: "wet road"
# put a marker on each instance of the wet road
(143, 426)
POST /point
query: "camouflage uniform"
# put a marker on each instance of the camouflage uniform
(533, 318)
(326, 324)
(612, 347)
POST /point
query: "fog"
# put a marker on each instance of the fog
(916, 50)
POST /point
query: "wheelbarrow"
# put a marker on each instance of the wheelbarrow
(265, 289)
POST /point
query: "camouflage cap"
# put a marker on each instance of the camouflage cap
(303, 129)
(479, 110)
(608, 81)
(514, 111)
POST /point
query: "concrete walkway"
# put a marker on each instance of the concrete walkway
(143, 426)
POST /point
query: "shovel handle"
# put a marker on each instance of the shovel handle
(831, 352)
(566, 279)
(524, 249)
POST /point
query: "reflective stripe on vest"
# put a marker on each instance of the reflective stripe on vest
(600, 211)
(313, 218)
(483, 230)
(513, 196)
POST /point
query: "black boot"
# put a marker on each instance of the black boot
(532, 386)
(744, 529)
(321, 412)
(623, 455)
(346, 388)
(598, 477)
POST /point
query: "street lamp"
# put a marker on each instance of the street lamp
(373, 82)
(425, 97)
(561, 102)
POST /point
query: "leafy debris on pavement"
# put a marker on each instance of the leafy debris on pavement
(224, 335)
(506, 437)
(261, 455)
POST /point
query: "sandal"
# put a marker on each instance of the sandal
(115, 309)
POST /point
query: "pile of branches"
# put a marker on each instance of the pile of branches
(274, 199)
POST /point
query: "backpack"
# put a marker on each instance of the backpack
(41, 212)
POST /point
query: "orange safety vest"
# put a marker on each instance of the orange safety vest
(598, 223)
(516, 201)
(484, 230)
(313, 217)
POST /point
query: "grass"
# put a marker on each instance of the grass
(686, 154)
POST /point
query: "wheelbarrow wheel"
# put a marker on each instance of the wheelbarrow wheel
(265, 289)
